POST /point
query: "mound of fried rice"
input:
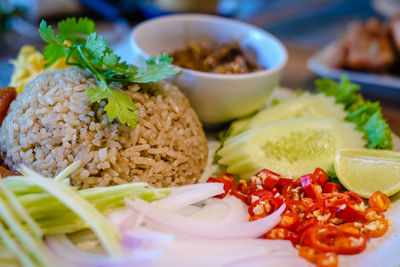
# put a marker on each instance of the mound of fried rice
(52, 124)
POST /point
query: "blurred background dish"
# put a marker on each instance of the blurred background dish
(215, 97)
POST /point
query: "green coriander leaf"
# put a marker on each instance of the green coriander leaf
(119, 105)
(156, 70)
(96, 45)
(52, 53)
(71, 29)
(96, 94)
(48, 35)
(110, 59)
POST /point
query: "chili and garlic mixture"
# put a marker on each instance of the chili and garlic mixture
(224, 59)
(320, 219)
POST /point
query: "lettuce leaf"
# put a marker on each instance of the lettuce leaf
(366, 115)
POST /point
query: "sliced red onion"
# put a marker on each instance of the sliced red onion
(191, 227)
(238, 210)
(64, 253)
(270, 260)
(226, 210)
(183, 196)
(145, 239)
(206, 252)
(180, 198)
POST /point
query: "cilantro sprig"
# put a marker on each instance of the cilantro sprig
(81, 46)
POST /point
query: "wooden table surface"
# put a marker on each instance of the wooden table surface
(297, 75)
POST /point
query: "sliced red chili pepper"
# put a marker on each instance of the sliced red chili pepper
(354, 197)
(372, 215)
(260, 207)
(318, 204)
(308, 253)
(351, 228)
(252, 184)
(327, 260)
(297, 207)
(379, 201)
(228, 177)
(305, 225)
(269, 178)
(354, 209)
(275, 191)
(350, 244)
(292, 191)
(289, 220)
(307, 201)
(282, 233)
(243, 187)
(282, 182)
(277, 202)
(293, 237)
(257, 217)
(320, 176)
(376, 228)
(323, 237)
(227, 185)
(331, 187)
(238, 194)
(335, 199)
(349, 213)
(256, 194)
(306, 183)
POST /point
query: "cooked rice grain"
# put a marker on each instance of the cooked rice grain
(52, 124)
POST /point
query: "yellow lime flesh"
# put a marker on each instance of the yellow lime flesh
(365, 171)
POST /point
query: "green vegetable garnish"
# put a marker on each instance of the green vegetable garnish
(82, 47)
(365, 114)
(31, 205)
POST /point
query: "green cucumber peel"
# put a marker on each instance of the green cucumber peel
(31, 245)
(19, 209)
(14, 248)
(104, 229)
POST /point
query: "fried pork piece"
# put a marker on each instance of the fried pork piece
(395, 30)
(366, 47)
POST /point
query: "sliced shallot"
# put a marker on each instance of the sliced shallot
(65, 253)
(188, 226)
(185, 195)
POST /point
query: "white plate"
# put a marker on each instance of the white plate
(385, 85)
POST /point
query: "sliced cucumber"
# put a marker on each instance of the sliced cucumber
(290, 147)
(320, 106)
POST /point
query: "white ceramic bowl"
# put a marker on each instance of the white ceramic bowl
(216, 98)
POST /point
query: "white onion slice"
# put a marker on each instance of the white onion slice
(145, 239)
(270, 260)
(191, 227)
(206, 252)
(226, 210)
(180, 198)
(123, 219)
(239, 210)
(64, 253)
(186, 195)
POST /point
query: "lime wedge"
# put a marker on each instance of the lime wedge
(365, 171)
